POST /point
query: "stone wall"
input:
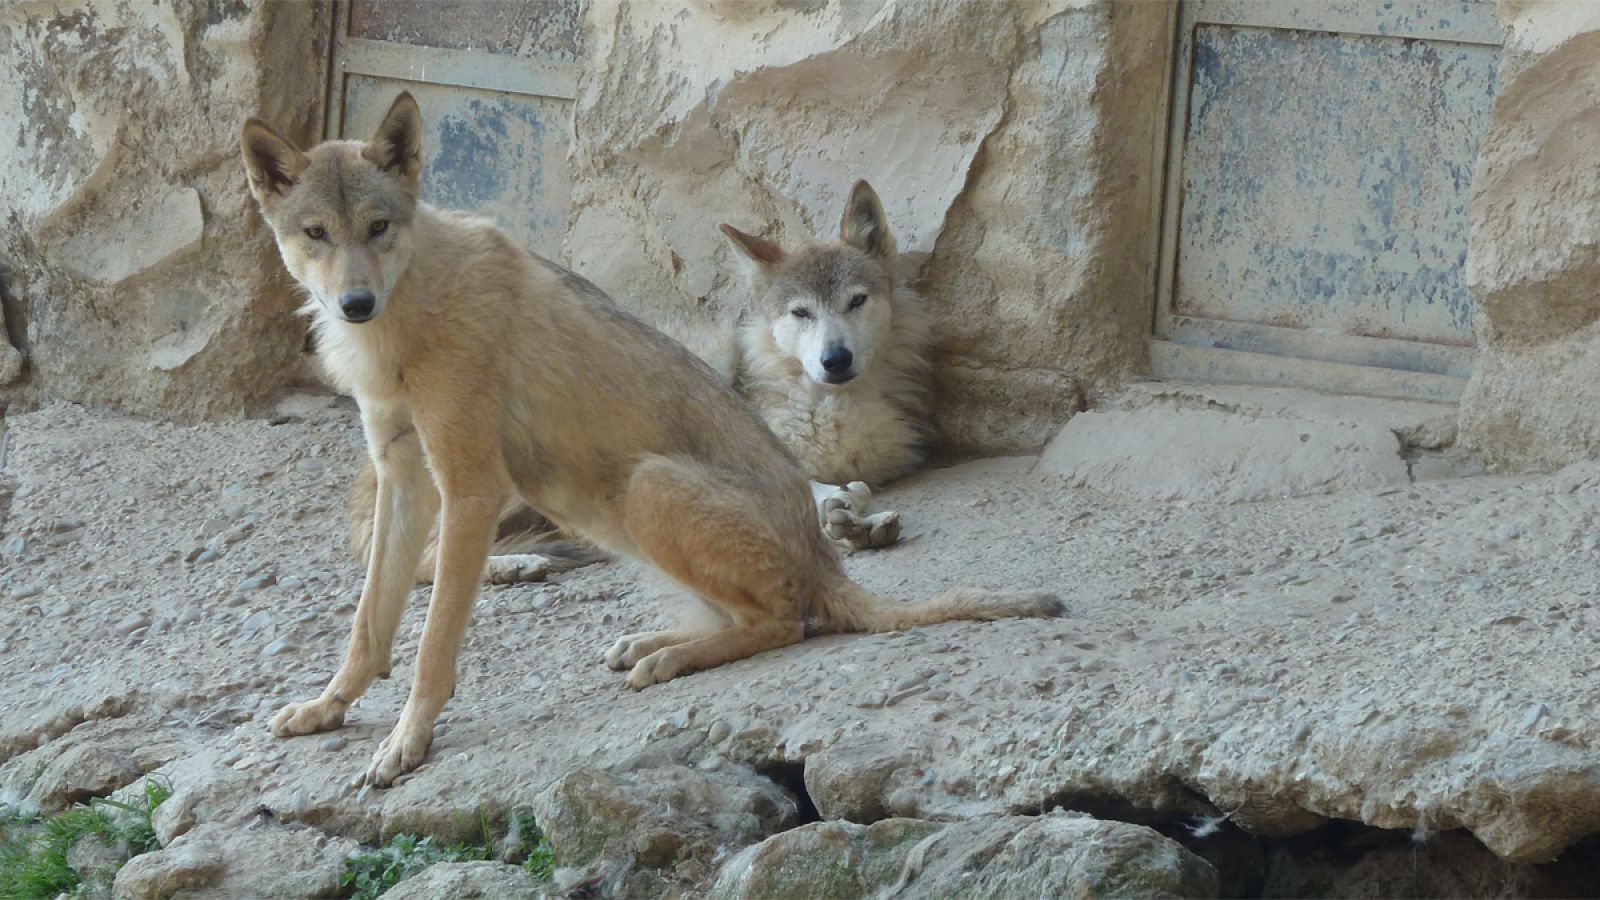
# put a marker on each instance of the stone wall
(1017, 142)
(136, 272)
(1534, 262)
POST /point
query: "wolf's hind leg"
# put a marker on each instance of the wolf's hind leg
(750, 556)
(843, 511)
(710, 651)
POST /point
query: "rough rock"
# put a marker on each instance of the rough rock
(214, 862)
(169, 224)
(467, 881)
(659, 816)
(1018, 147)
(10, 357)
(1058, 855)
(137, 273)
(1229, 444)
(1535, 244)
(191, 863)
(95, 860)
(856, 782)
(175, 816)
(82, 771)
(824, 860)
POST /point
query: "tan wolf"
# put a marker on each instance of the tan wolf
(484, 373)
(834, 357)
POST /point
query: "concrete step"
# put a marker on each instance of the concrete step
(1195, 441)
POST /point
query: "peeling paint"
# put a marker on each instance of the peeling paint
(1325, 181)
(501, 155)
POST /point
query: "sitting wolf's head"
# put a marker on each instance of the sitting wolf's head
(341, 211)
(830, 304)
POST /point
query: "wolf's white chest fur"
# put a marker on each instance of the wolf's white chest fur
(363, 361)
(843, 435)
(857, 432)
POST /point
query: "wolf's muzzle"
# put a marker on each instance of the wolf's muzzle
(836, 361)
(357, 306)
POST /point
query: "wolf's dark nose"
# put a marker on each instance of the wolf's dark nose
(357, 305)
(836, 360)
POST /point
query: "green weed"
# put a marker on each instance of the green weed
(368, 875)
(33, 849)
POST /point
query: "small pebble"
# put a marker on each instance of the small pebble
(257, 582)
(332, 743)
(278, 646)
(1537, 712)
(132, 623)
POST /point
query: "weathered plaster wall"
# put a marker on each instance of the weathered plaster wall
(136, 274)
(1534, 262)
(1015, 141)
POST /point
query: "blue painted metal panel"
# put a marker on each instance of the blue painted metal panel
(1325, 179)
(500, 155)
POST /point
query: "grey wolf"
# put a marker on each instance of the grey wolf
(835, 360)
(484, 373)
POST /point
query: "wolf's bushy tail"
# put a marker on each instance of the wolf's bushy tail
(847, 606)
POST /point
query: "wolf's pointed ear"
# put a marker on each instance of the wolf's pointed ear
(763, 253)
(271, 161)
(864, 225)
(397, 144)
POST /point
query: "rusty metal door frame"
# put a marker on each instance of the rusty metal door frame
(435, 65)
(1189, 346)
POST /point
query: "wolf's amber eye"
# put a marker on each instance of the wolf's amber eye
(378, 227)
(800, 312)
(858, 301)
(316, 232)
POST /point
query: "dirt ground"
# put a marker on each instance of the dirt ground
(1419, 658)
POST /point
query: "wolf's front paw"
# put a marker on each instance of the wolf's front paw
(518, 568)
(630, 648)
(661, 666)
(310, 717)
(844, 518)
(402, 751)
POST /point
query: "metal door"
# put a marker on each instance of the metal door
(495, 81)
(1319, 168)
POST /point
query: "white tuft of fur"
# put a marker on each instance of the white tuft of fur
(1206, 826)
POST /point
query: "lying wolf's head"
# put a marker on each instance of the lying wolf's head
(830, 305)
(341, 211)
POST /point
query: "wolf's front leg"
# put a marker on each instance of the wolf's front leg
(406, 504)
(474, 489)
(843, 511)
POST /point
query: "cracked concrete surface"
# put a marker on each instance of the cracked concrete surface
(1413, 656)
